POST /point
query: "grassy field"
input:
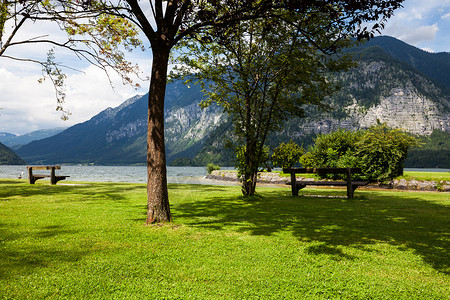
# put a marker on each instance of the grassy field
(426, 176)
(89, 241)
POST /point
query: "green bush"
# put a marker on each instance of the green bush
(287, 155)
(211, 167)
(379, 151)
(334, 150)
(382, 151)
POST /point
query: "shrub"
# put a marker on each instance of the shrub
(211, 167)
(334, 150)
(287, 155)
(379, 151)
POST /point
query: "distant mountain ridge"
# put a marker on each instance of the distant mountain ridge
(384, 86)
(434, 65)
(16, 141)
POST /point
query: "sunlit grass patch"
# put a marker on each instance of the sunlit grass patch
(90, 242)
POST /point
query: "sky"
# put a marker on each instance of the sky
(26, 105)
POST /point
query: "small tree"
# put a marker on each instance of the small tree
(287, 155)
(262, 72)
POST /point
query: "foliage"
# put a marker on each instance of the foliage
(211, 167)
(382, 151)
(434, 151)
(89, 242)
(334, 150)
(379, 151)
(261, 73)
(287, 155)
(91, 35)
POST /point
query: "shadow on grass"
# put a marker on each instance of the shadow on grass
(399, 219)
(33, 256)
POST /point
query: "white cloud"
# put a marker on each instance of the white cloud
(422, 23)
(28, 105)
(413, 37)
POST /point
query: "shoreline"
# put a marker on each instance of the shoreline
(396, 184)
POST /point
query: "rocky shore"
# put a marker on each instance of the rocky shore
(399, 184)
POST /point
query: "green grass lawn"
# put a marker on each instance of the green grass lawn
(90, 242)
(426, 176)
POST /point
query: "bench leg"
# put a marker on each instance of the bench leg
(351, 191)
(297, 187)
(30, 176)
(53, 176)
(58, 178)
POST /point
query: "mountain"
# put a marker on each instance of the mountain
(15, 141)
(117, 136)
(8, 157)
(434, 65)
(389, 84)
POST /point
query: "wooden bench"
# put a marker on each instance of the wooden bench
(53, 178)
(351, 185)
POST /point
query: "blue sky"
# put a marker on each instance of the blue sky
(28, 106)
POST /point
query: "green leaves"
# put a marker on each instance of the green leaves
(287, 155)
(380, 151)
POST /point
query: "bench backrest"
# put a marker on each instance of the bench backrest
(44, 167)
(321, 170)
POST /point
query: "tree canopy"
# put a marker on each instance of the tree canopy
(85, 31)
(166, 23)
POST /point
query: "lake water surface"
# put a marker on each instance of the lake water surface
(133, 174)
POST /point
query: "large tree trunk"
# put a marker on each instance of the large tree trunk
(250, 175)
(158, 209)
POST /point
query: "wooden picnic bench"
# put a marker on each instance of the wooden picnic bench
(351, 185)
(53, 178)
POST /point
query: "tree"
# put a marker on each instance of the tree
(287, 155)
(169, 22)
(264, 71)
(192, 19)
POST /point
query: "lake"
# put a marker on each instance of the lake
(134, 174)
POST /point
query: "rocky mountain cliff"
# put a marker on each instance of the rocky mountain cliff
(383, 86)
(385, 89)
